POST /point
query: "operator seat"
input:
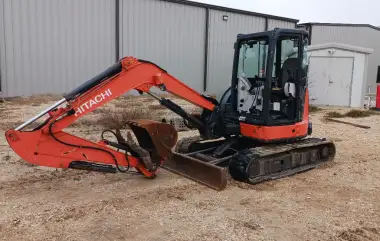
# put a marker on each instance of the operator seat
(289, 64)
(285, 84)
(287, 93)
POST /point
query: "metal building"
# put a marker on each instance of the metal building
(51, 46)
(363, 35)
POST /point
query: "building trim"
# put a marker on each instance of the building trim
(207, 30)
(339, 25)
(3, 83)
(307, 28)
(232, 10)
(310, 33)
(117, 30)
(340, 46)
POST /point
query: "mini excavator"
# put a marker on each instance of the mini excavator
(258, 131)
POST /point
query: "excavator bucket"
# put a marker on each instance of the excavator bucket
(154, 135)
(161, 138)
(155, 141)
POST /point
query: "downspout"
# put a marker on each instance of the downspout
(310, 32)
(117, 30)
(205, 71)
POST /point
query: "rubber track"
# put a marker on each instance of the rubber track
(253, 165)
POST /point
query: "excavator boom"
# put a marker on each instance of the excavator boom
(48, 145)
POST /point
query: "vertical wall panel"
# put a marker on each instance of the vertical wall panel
(169, 34)
(2, 49)
(353, 35)
(222, 36)
(273, 23)
(51, 46)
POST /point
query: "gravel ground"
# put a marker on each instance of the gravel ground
(338, 202)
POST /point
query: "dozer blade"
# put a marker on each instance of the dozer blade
(205, 173)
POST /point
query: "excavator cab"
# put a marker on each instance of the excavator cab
(269, 77)
(264, 115)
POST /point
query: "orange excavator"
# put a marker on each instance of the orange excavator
(256, 132)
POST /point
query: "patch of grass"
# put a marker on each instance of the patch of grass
(157, 107)
(85, 122)
(34, 100)
(120, 105)
(128, 104)
(10, 125)
(134, 98)
(13, 124)
(314, 109)
(99, 111)
(244, 201)
(360, 113)
(118, 119)
(7, 157)
(334, 114)
(352, 114)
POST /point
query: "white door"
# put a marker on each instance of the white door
(340, 81)
(330, 81)
(318, 79)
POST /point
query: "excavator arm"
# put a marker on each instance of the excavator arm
(48, 145)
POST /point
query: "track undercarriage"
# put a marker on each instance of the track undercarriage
(210, 162)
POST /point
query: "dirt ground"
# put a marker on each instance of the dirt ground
(338, 202)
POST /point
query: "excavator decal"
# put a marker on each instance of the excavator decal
(96, 100)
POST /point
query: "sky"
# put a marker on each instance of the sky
(330, 11)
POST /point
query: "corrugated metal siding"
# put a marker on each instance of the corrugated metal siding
(169, 34)
(359, 36)
(51, 46)
(2, 47)
(222, 36)
(272, 23)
